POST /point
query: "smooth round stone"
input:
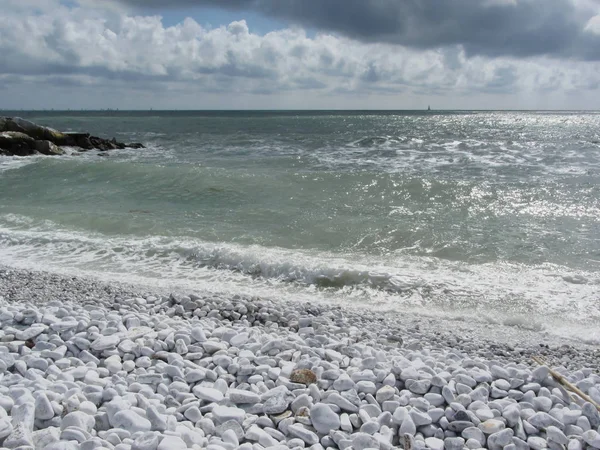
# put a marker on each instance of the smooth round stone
(230, 437)
(73, 434)
(363, 441)
(105, 342)
(436, 414)
(239, 396)
(131, 421)
(574, 444)
(113, 366)
(371, 427)
(277, 402)
(300, 432)
(78, 419)
(5, 428)
(222, 414)
(172, 443)
(543, 420)
(537, 443)
(420, 418)
(208, 394)
(554, 434)
(43, 407)
(500, 438)
(146, 441)
(592, 438)
(88, 407)
(474, 433)
(193, 414)
(484, 414)
(491, 426)
(385, 393)
(434, 443)
(407, 427)
(434, 399)
(458, 426)
(418, 386)
(542, 404)
(195, 375)
(343, 383)
(239, 339)
(324, 419)
(472, 444)
(454, 443)
(230, 425)
(366, 386)
(399, 415)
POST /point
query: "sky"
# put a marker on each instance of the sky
(300, 54)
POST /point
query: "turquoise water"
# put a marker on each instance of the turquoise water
(490, 215)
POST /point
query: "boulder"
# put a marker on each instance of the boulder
(21, 137)
(48, 148)
(79, 140)
(37, 132)
(17, 143)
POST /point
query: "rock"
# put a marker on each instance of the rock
(16, 143)
(48, 148)
(146, 441)
(22, 137)
(537, 443)
(303, 433)
(556, 435)
(454, 443)
(592, 438)
(131, 421)
(172, 443)
(500, 439)
(434, 443)
(474, 433)
(276, 401)
(303, 376)
(222, 414)
(78, 419)
(22, 426)
(491, 426)
(363, 441)
(239, 396)
(208, 394)
(5, 428)
(32, 130)
(543, 420)
(43, 407)
(418, 386)
(324, 419)
(105, 342)
(345, 404)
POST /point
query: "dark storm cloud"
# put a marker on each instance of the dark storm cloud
(518, 28)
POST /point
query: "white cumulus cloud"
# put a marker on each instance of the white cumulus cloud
(46, 47)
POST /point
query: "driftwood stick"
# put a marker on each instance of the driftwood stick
(566, 383)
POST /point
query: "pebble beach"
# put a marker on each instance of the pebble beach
(87, 364)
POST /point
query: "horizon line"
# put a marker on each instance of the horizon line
(291, 110)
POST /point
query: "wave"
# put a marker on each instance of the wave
(526, 296)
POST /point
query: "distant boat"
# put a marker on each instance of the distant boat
(428, 108)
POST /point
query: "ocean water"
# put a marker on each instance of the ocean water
(482, 216)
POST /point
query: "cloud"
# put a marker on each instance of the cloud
(91, 49)
(518, 28)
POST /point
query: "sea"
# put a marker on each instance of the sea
(481, 216)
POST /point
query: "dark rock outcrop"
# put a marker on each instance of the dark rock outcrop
(22, 137)
(48, 148)
(17, 143)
